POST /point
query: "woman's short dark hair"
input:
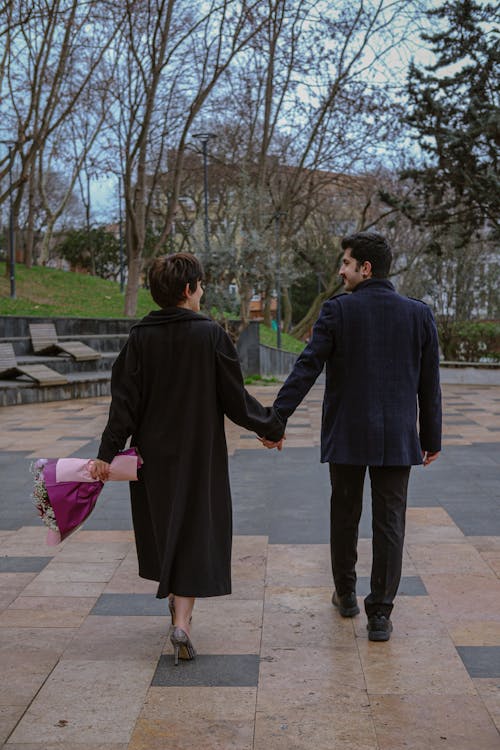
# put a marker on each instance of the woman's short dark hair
(373, 247)
(169, 275)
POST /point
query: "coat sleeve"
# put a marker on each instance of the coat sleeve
(429, 390)
(309, 364)
(237, 404)
(124, 410)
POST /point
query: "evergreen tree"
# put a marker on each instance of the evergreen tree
(455, 116)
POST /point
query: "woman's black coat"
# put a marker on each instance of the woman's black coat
(171, 385)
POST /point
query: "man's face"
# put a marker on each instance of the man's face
(351, 271)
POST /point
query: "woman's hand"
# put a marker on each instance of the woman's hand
(99, 470)
(271, 443)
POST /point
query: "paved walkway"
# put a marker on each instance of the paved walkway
(85, 660)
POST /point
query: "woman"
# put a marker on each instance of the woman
(171, 385)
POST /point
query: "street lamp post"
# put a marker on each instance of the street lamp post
(204, 138)
(277, 241)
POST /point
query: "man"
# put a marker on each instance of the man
(382, 360)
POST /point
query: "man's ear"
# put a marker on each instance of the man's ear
(366, 269)
(186, 292)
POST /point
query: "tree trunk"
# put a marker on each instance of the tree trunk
(245, 298)
(267, 306)
(287, 309)
(302, 328)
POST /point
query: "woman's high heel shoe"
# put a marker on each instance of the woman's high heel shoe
(183, 648)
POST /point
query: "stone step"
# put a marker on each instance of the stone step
(111, 342)
(79, 385)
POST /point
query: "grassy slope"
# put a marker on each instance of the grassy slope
(48, 292)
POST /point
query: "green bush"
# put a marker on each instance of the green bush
(470, 341)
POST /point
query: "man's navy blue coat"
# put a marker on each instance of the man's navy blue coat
(382, 376)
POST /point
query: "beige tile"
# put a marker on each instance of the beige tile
(98, 702)
(103, 537)
(475, 633)
(27, 657)
(302, 730)
(489, 692)
(303, 617)
(9, 716)
(414, 666)
(299, 565)
(485, 543)
(67, 746)
(168, 734)
(76, 572)
(39, 611)
(110, 638)
(64, 588)
(412, 616)
(459, 598)
(427, 722)
(94, 552)
(447, 557)
(310, 669)
(200, 704)
(226, 625)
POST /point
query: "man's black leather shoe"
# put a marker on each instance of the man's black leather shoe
(379, 627)
(347, 604)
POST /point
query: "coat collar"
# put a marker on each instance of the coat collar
(170, 315)
(374, 284)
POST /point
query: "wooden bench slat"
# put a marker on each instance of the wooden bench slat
(44, 340)
(42, 374)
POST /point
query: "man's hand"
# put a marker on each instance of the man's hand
(429, 457)
(273, 444)
(99, 470)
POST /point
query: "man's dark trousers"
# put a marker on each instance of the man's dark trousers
(389, 485)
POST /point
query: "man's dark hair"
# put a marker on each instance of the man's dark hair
(373, 247)
(169, 275)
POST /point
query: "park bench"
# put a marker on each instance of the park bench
(45, 341)
(41, 374)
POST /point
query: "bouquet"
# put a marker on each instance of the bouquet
(65, 493)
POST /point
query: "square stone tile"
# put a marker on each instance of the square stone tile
(297, 616)
(311, 669)
(299, 565)
(423, 722)
(9, 716)
(481, 661)
(414, 666)
(475, 632)
(76, 572)
(86, 702)
(198, 704)
(110, 604)
(301, 730)
(168, 734)
(459, 598)
(10, 564)
(489, 692)
(207, 670)
(114, 638)
(449, 557)
(243, 636)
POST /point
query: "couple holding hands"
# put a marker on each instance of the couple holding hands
(179, 375)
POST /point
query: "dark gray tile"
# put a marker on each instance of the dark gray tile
(26, 429)
(130, 605)
(23, 564)
(481, 661)
(230, 670)
(409, 586)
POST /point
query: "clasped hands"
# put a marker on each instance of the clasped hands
(272, 443)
